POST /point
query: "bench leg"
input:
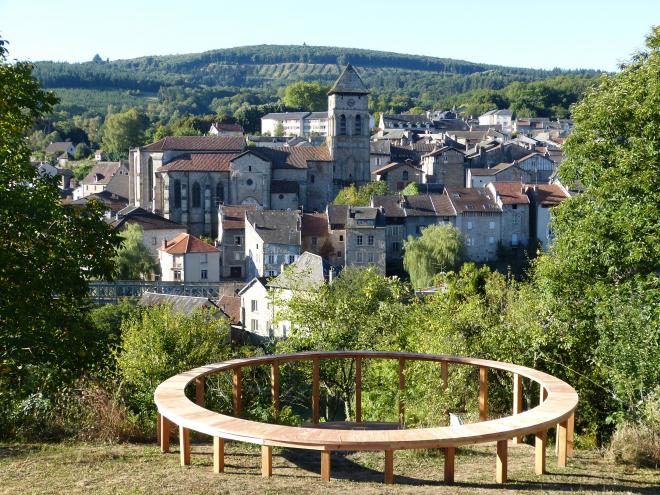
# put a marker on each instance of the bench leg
(389, 467)
(218, 455)
(501, 464)
(562, 440)
(184, 445)
(266, 461)
(539, 449)
(325, 465)
(450, 453)
(164, 434)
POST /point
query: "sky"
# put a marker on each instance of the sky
(522, 33)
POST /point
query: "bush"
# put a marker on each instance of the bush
(637, 444)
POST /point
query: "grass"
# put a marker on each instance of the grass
(142, 469)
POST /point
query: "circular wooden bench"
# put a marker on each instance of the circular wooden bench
(556, 408)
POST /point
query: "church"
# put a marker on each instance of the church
(186, 178)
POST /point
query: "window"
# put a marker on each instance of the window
(281, 196)
(514, 239)
(204, 275)
(154, 241)
(339, 254)
(491, 225)
(370, 257)
(219, 194)
(204, 258)
(150, 171)
(196, 195)
(271, 259)
(238, 256)
(254, 305)
(314, 241)
(469, 225)
(396, 247)
(370, 240)
(249, 168)
(254, 325)
(404, 175)
(177, 275)
(516, 219)
(491, 240)
(342, 125)
(358, 257)
(238, 240)
(358, 125)
(271, 273)
(177, 194)
(341, 238)
(359, 240)
(249, 182)
(292, 258)
(312, 178)
(468, 241)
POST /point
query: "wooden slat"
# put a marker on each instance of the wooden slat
(402, 391)
(266, 461)
(562, 429)
(316, 391)
(517, 400)
(218, 455)
(164, 435)
(444, 374)
(541, 439)
(325, 465)
(450, 453)
(569, 435)
(158, 428)
(184, 445)
(483, 393)
(389, 467)
(275, 385)
(236, 390)
(358, 389)
(199, 391)
(501, 463)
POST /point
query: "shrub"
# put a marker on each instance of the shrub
(637, 444)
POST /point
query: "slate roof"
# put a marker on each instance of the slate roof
(349, 82)
(58, 146)
(104, 171)
(489, 172)
(472, 199)
(511, 193)
(380, 147)
(293, 157)
(392, 166)
(498, 112)
(228, 127)
(180, 304)
(314, 224)
(145, 219)
(200, 162)
(337, 214)
(198, 143)
(421, 205)
(276, 227)
(281, 116)
(233, 216)
(110, 200)
(308, 272)
(186, 243)
(357, 213)
(408, 118)
(548, 194)
(440, 150)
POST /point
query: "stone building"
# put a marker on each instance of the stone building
(272, 240)
(231, 239)
(511, 198)
(189, 259)
(398, 175)
(444, 165)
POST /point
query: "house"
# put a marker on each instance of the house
(231, 307)
(155, 229)
(186, 258)
(502, 118)
(444, 165)
(256, 307)
(289, 123)
(544, 197)
(231, 239)
(58, 148)
(412, 122)
(112, 202)
(99, 155)
(64, 174)
(272, 240)
(104, 175)
(398, 175)
(221, 129)
(315, 234)
(179, 304)
(514, 203)
(479, 177)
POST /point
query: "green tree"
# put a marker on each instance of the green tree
(440, 248)
(411, 189)
(48, 252)
(310, 96)
(122, 131)
(81, 151)
(134, 261)
(279, 129)
(352, 196)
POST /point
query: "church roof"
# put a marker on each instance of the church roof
(197, 143)
(293, 156)
(200, 162)
(349, 82)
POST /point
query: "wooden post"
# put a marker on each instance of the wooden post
(389, 467)
(517, 400)
(358, 389)
(218, 455)
(540, 443)
(158, 428)
(444, 373)
(562, 429)
(402, 390)
(325, 465)
(450, 453)
(483, 393)
(569, 435)
(199, 391)
(266, 461)
(164, 434)
(275, 385)
(316, 391)
(543, 395)
(236, 391)
(184, 445)
(501, 464)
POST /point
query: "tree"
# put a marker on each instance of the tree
(411, 189)
(81, 151)
(48, 252)
(440, 248)
(310, 96)
(352, 196)
(134, 261)
(122, 131)
(279, 129)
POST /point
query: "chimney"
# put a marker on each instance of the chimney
(164, 245)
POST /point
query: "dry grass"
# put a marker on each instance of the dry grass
(132, 468)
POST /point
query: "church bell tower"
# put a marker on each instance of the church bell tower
(348, 129)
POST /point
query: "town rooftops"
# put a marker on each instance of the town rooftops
(198, 143)
(510, 193)
(475, 199)
(58, 147)
(231, 306)
(109, 200)
(293, 156)
(276, 227)
(314, 224)
(488, 172)
(363, 217)
(282, 116)
(233, 216)
(547, 194)
(102, 173)
(180, 304)
(200, 162)
(186, 243)
(145, 219)
(505, 112)
(350, 82)
(308, 272)
(392, 166)
(421, 205)
(227, 127)
(337, 216)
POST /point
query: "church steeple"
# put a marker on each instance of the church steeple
(349, 82)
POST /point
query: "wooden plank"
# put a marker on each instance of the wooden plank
(218, 455)
(444, 373)
(266, 461)
(540, 443)
(450, 453)
(543, 394)
(483, 393)
(517, 400)
(402, 391)
(275, 385)
(325, 465)
(389, 467)
(164, 435)
(199, 391)
(358, 389)
(158, 428)
(562, 429)
(316, 390)
(236, 391)
(501, 463)
(569, 435)
(184, 445)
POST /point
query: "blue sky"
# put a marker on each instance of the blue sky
(539, 34)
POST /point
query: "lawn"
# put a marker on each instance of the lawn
(136, 468)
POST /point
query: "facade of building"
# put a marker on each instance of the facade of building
(189, 259)
(231, 239)
(444, 165)
(502, 118)
(104, 175)
(544, 197)
(398, 175)
(272, 241)
(220, 129)
(514, 203)
(155, 229)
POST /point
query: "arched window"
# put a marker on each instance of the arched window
(358, 125)
(219, 194)
(196, 195)
(150, 179)
(404, 176)
(342, 125)
(177, 194)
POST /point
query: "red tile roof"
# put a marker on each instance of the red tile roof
(511, 193)
(200, 162)
(231, 306)
(233, 217)
(314, 224)
(548, 194)
(474, 199)
(186, 243)
(228, 127)
(198, 143)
